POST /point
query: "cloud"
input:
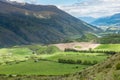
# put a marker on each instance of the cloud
(94, 8)
(23, 1)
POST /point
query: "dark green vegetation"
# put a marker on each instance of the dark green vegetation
(27, 24)
(106, 37)
(97, 50)
(81, 58)
(109, 39)
(87, 37)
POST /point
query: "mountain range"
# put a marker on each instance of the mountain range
(112, 21)
(23, 23)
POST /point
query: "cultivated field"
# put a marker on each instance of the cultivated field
(49, 60)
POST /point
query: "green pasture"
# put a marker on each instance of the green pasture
(109, 47)
(40, 68)
(21, 60)
(78, 56)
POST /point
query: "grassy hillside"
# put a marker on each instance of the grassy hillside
(23, 53)
(38, 49)
(108, 70)
(87, 38)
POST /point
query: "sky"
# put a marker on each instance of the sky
(80, 8)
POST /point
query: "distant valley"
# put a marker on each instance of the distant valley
(44, 42)
(111, 21)
(110, 24)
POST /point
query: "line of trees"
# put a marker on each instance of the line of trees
(70, 61)
(110, 38)
(90, 51)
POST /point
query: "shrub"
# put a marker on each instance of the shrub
(79, 62)
(70, 50)
(94, 62)
(118, 66)
(61, 61)
(108, 66)
(87, 62)
(69, 61)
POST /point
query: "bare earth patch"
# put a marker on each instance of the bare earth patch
(82, 45)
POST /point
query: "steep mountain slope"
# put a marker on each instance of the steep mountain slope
(113, 20)
(28, 23)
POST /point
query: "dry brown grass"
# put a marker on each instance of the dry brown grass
(82, 45)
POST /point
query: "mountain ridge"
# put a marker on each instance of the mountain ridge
(39, 24)
(113, 20)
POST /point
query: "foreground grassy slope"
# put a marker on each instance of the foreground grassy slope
(108, 70)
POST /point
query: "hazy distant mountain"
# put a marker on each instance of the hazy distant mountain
(87, 19)
(28, 23)
(113, 20)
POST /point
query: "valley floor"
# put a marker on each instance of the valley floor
(77, 45)
(36, 62)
